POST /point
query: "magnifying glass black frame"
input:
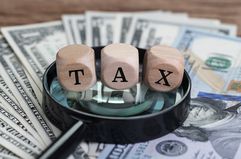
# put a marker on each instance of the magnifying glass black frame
(79, 125)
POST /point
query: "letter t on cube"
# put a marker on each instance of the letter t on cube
(75, 66)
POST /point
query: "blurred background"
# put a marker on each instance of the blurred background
(14, 12)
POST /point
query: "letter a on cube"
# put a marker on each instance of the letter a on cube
(119, 66)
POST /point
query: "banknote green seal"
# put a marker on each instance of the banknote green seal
(218, 62)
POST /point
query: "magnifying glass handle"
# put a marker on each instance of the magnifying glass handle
(65, 144)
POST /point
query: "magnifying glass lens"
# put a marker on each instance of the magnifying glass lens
(109, 102)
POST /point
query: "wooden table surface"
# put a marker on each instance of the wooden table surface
(14, 12)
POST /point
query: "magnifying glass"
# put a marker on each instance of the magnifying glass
(101, 114)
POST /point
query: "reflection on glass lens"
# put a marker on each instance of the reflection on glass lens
(109, 102)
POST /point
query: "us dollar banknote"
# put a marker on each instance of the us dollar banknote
(15, 146)
(103, 28)
(80, 152)
(214, 120)
(19, 136)
(13, 108)
(36, 45)
(214, 56)
(19, 83)
(87, 150)
(100, 28)
(68, 22)
(5, 153)
(6, 89)
(79, 28)
(75, 24)
(210, 127)
(13, 67)
(12, 121)
(125, 20)
(146, 32)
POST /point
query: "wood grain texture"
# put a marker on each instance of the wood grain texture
(75, 66)
(14, 12)
(164, 68)
(119, 66)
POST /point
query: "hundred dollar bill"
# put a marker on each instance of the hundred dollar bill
(79, 153)
(95, 149)
(79, 28)
(212, 61)
(231, 101)
(100, 28)
(210, 128)
(68, 22)
(146, 32)
(17, 80)
(168, 147)
(87, 150)
(36, 45)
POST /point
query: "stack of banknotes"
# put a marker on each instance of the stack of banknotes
(212, 58)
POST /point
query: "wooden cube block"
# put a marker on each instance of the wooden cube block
(75, 66)
(163, 68)
(119, 66)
